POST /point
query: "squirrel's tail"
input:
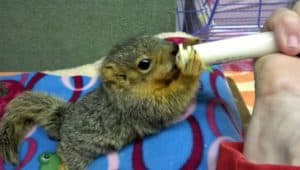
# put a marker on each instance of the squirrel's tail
(22, 114)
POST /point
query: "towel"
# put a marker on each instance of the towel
(190, 143)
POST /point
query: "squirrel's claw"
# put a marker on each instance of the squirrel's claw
(189, 62)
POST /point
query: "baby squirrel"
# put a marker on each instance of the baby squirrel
(145, 87)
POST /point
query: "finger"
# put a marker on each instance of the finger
(183, 54)
(179, 57)
(195, 62)
(285, 24)
(191, 60)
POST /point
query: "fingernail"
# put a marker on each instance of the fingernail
(293, 41)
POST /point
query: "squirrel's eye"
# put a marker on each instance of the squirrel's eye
(144, 64)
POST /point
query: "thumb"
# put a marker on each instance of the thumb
(285, 24)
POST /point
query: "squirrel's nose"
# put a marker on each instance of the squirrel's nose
(175, 49)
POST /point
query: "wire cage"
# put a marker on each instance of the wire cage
(218, 19)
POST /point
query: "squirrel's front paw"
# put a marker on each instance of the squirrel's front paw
(189, 62)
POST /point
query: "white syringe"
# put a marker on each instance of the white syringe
(237, 48)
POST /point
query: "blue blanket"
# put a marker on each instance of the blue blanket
(191, 143)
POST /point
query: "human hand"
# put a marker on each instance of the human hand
(273, 134)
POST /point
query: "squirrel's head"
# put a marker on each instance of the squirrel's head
(140, 65)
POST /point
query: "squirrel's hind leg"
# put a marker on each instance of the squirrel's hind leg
(72, 159)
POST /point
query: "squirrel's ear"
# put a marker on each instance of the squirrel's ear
(192, 41)
(113, 76)
(180, 38)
